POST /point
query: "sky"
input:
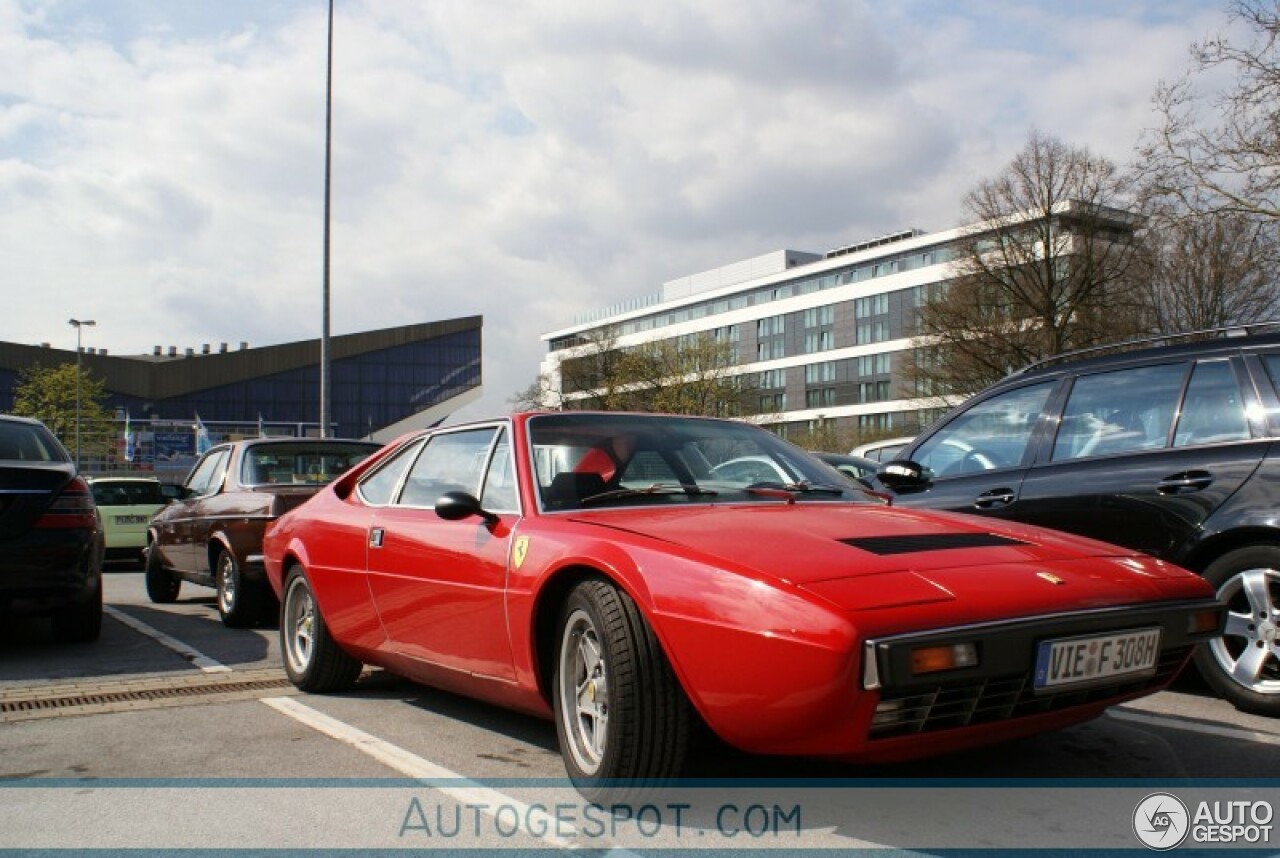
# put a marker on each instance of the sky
(162, 162)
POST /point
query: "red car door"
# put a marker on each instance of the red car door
(438, 585)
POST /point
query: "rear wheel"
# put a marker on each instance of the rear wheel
(621, 716)
(162, 585)
(1243, 665)
(313, 661)
(239, 601)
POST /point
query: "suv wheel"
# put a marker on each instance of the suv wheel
(1244, 664)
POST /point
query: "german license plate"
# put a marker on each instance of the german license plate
(131, 519)
(1075, 661)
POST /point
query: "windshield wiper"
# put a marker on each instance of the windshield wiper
(801, 488)
(656, 489)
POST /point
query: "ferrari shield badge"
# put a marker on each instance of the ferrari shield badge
(519, 551)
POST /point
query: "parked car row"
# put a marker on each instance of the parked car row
(636, 576)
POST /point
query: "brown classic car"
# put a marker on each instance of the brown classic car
(212, 533)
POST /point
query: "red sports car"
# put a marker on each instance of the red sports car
(598, 568)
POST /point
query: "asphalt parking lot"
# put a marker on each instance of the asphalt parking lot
(171, 709)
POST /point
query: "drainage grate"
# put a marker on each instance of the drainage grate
(33, 706)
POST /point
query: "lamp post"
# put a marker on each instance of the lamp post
(78, 324)
(325, 402)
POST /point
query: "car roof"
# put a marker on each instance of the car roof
(1172, 346)
(109, 479)
(14, 418)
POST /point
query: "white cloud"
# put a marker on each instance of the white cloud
(162, 164)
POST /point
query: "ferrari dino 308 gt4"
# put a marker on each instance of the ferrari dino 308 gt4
(600, 569)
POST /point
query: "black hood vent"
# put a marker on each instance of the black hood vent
(928, 542)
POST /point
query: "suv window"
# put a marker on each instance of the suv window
(1119, 412)
(992, 434)
(1213, 412)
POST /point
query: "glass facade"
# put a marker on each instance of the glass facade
(369, 390)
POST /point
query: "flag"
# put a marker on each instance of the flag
(128, 439)
(262, 430)
(202, 437)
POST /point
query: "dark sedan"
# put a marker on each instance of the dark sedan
(212, 534)
(51, 543)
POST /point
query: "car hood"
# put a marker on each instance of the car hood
(841, 550)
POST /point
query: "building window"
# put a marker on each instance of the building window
(771, 402)
(820, 373)
(821, 398)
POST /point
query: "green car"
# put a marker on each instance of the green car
(126, 504)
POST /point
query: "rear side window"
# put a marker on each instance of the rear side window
(1213, 412)
(1119, 412)
(992, 434)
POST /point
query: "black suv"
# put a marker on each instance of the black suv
(1172, 449)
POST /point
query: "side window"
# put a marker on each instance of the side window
(500, 481)
(992, 434)
(207, 476)
(1119, 412)
(1213, 411)
(453, 461)
(377, 488)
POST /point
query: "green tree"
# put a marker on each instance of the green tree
(684, 375)
(49, 395)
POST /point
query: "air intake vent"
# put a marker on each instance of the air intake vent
(928, 542)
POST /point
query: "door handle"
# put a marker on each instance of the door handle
(1185, 483)
(375, 537)
(995, 499)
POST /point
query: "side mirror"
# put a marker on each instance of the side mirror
(455, 506)
(902, 476)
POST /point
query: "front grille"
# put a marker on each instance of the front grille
(961, 704)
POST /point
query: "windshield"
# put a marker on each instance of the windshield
(302, 463)
(602, 460)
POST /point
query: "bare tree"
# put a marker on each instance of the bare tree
(1208, 271)
(1230, 163)
(1047, 266)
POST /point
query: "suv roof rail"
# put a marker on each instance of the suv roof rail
(1223, 332)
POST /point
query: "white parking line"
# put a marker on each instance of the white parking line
(1177, 723)
(192, 655)
(410, 764)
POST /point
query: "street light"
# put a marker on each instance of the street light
(78, 324)
(325, 401)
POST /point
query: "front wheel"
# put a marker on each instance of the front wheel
(313, 661)
(622, 718)
(1243, 665)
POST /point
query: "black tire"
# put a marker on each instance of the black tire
(79, 623)
(637, 741)
(162, 585)
(312, 659)
(239, 601)
(1243, 665)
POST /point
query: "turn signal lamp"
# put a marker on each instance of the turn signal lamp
(1202, 622)
(932, 659)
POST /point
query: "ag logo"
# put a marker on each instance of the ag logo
(1161, 821)
(520, 550)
